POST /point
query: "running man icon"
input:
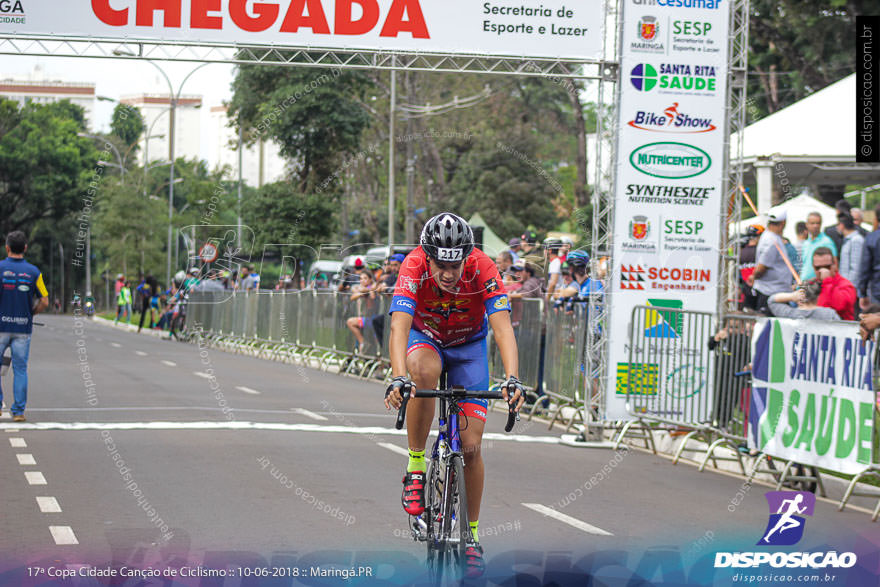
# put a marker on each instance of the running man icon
(786, 524)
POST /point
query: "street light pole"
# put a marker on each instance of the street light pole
(173, 98)
(391, 160)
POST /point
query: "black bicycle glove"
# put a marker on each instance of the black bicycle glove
(400, 382)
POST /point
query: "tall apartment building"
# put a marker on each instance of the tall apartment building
(42, 91)
(261, 163)
(155, 109)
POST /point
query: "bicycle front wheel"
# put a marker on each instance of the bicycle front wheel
(460, 528)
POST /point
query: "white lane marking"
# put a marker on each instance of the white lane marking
(247, 390)
(13, 430)
(169, 363)
(48, 505)
(580, 525)
(245, 425)
(17, 442)
(115, 344)
(394, 448)
(63, 535)
(309, 414)
(202, 374)
(140, 353)
(26, 459)
(35, 478)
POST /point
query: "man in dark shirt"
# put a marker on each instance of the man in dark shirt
(22, 285)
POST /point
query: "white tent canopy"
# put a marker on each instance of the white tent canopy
(810, 144)
(796, 210)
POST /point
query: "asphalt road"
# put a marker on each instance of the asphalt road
(277, 465)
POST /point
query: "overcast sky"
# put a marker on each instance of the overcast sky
(119, 77)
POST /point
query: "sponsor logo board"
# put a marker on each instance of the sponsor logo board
(670, 160)
(671, 120)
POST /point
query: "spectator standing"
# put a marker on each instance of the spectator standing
(842, 207)
(145, 293)
(514, 245)
(815, 239)
(806, 299)
(851, 251)
(837, 292)
(747, 265)
(858, 219)
(771, 274)
(531, 255)
(504, 261)
(123, 303)
(365, 295)
(22, 285)
(801, 236)
(247, 279)
(868, 282)
(552, 247)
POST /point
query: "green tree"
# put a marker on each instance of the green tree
(278, 213)
(127, 124)
(797, 47)
(315, 115)
(45, 168)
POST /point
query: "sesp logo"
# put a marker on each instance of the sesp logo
(786, 524)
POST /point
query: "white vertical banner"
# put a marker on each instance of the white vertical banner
(669, 187)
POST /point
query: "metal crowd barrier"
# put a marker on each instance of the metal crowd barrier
(674, 378)
(309, 327)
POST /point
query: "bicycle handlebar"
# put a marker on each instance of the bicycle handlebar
(456, 395)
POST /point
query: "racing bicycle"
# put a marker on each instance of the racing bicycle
(444, 526)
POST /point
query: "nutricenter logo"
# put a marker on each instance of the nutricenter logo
(670, 160)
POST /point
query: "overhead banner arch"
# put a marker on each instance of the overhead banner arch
(355, 33)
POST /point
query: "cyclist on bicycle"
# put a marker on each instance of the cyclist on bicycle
(446, 293)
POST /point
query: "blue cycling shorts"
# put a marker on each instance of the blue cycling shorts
(466, 365)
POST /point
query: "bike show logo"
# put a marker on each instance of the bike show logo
(12, 12)
(670, 160)
(706, 4)
(671, 121)
(675, 78)
(647, 36)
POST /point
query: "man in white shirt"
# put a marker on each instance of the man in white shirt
(552, 247)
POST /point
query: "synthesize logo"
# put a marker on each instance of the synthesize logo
(786, 524)
(670, 160)
(672, 121)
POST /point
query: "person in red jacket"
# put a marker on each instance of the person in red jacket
(837, 292)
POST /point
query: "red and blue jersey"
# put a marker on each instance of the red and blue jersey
(450, 318)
